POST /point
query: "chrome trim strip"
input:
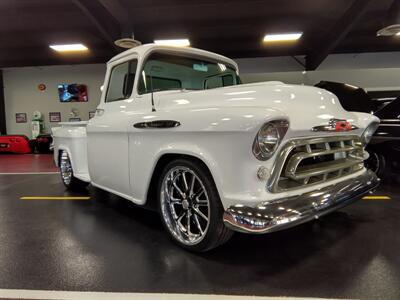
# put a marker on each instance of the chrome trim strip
(290, 211)
(329, 128)
(390, 121)
(385, 124)
(157, 124)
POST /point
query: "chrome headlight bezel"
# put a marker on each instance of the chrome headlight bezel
(268, 139)
(369, 132)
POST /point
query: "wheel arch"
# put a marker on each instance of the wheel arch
(162, 162)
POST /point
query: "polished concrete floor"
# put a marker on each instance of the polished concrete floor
(108, 244)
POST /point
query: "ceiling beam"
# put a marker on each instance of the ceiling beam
(393, 15)
(337, 34)
(104, 21)
(33, 62)
(119, 12)
(37, 56)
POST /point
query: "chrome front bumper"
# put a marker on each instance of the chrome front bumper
(287, 212)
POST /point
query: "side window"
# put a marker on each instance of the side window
(218, 81)
(146, 85)
(213, 82)
(121, 81)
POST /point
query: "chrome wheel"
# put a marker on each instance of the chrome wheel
(65, 168)
(185, 205)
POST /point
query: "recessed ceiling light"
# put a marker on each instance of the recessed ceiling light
(69, 47)
(127, 43)
(282, 37)
(176, 42)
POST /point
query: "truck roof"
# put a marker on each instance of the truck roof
(142, 50)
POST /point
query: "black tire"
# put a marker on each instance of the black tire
(216, 232)
(67, 174)
(377, 163)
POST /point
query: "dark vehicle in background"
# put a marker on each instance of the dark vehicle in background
(43, 143)
(384, 148)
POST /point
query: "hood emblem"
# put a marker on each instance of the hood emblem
(336, 125)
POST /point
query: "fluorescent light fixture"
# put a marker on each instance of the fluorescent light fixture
(176, 43)
(69, 47)
(398, 34)
(282, 37)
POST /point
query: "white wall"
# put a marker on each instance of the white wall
(373, 71)
(22, 95)
(371, 60)
(269, 64)
(369, 79)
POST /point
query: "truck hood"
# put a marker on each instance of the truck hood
(304, 106)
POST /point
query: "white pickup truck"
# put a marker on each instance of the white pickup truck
(176, 130)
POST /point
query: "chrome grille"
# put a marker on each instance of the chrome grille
(304, 162)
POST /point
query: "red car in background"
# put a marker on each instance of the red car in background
(15, 144)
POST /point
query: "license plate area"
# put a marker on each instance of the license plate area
(4, 145)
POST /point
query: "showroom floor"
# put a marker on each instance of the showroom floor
(100, 242)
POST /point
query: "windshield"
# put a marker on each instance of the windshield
(166, 71)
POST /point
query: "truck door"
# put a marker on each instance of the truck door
(107, 131)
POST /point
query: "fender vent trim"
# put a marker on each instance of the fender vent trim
(157, 124)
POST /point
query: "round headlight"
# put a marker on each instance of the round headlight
(369, 132)
(268, 139)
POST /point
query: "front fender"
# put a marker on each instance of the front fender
(222, 119)
(222, 139)
(363, 120)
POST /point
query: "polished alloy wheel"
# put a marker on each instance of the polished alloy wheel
(185, 205)
(65, 168)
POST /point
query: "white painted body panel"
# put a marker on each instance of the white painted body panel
(71, 137)
(218, 126)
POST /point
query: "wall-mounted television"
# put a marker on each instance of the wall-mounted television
(72, 92)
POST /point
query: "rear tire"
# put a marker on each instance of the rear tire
(190, 207)
(67, 174)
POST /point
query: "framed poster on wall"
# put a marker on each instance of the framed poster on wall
(20, 118)
(72, 92)
(54, 116)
